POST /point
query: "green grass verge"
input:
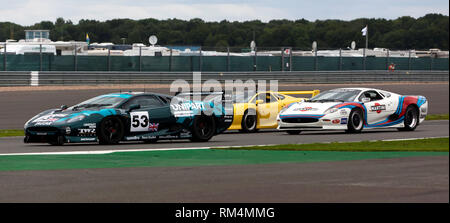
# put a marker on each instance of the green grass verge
(424, 145)
(437, 117)
(216, 157)
(11, 132)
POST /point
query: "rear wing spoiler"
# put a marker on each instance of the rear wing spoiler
(312, 93)
(225, 97)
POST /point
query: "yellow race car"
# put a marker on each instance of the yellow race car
(259, 110)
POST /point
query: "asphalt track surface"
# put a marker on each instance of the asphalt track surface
(408, 179)
(413, 179)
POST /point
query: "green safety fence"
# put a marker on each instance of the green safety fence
(49, 62)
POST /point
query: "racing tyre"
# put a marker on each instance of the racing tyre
(293, 132)
(248, 123)
(411, 120)
(355, 121)
(59, 141)
(110, 130)
(203, 128)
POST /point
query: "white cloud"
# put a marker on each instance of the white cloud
(28, 12)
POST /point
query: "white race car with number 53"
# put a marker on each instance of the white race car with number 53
(353, 109)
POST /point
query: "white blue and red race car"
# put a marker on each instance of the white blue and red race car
(353, 109)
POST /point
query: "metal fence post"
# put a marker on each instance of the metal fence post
(431, 61)
(4, 57)
(387, 59)
(340, 59)
(254, 60)
(315, 60)
(40, 57)
(409, 60)
(170, 60)
(228, 58)
(140, 58)
(282, 59)
(364, 59)
(290, 58)
(200, 60)
(109, 60)
(75, 59)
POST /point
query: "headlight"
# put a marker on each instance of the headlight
(331, 110)
(76, 118)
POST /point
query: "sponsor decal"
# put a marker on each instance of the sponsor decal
(49, 118)
(43, 123)
(186, 106)
(139, 121)
(169, 137)
(344, 121)
(305, 109)
(179, 114)
(343, 112)
(148, 137)
(336, 121)
(86, 132)
(88, 139)
(153, 127)
(132, 138)
(378, 108)
(90, 125)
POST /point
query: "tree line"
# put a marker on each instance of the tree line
(429, 31)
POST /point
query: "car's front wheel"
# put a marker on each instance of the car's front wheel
(110, 130)
(203, 128)
(249, 120)
(355, 121)
(411, 119)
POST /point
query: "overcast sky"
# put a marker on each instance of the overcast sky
(28, 12)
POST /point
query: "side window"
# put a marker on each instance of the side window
(165, 100)
(372, 95)
(266, 98)
(280, 96)
(143, 101)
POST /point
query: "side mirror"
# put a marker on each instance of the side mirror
(365, 100)
(63, 107)
(259, 101)
(133, 107)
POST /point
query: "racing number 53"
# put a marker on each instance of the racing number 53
(139, 121)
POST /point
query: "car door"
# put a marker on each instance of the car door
(152, 116)
(267, 109)
(378, 107)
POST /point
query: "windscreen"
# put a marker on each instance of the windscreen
(336, 95)
(100, 101)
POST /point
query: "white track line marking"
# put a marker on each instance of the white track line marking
(97, 152)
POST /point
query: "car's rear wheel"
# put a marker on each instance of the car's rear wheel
(355, 121)
(110, 130)
(203, 128)
(411, 119)
(249, 120)
(293, 132)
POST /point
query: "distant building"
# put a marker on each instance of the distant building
(40, 35)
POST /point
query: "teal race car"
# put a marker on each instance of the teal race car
(131, 116)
